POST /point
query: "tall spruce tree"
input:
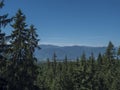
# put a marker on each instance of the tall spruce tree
(83, 62)
(4, 20)
(110, 52)
(54, 64)
(118, 53)
(92, 72)
(22, 70)
(66, 63)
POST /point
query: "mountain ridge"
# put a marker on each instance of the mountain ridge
(72, 52)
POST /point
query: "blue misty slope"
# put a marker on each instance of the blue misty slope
(72, 52)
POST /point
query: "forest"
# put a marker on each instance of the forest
(19, 69)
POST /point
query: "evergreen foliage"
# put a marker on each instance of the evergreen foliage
(22, 68)
(19, 69)
(101, 73)
(4, 20)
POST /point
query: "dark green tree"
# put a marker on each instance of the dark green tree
(54, 64)
(4, 20)
(110, 52)
(22, 70)
(48, 63)
(77, 62)
(100, 59)
(66, 63)
(92, 71)
(118, 52)
(111, 67)
(83, 62)
(81, 75)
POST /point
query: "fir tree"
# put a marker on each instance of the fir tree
(83, 62)
(110, 52)
(54, 64)
(118, 52)
(4, 20)
(100, 59)
(66, 63)
(22, 70)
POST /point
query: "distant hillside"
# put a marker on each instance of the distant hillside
(72, 52)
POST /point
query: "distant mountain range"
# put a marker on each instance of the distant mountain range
(72, 52)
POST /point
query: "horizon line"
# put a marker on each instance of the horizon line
(70, 45)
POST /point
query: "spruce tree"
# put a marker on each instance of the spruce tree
(54, 64)
(112, 72)
(83, 63)
(100, 59)
(92, 72)
(4, 20)
(110, 52)
(77, 62)
(66, 63)
(23, 69)
(118, 52)
(48, 63)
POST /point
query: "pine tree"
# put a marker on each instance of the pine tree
(110, 52)
(118, 52)
(83, 62)
(66, 77)
(100, 59)
(110, 67)
(77, 62)
(4, 20)
(66, 63)
(81, 75)
(54, 65)
(92, 72)
(48, 63)
(22, 70)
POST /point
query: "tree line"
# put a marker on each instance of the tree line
(19, 69)
(101, 73)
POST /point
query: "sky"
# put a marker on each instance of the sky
(71, 22)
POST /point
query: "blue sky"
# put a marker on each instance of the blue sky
(71, 22)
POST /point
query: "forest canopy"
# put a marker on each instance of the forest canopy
(19, 69)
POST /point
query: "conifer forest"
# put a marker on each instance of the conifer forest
(20, 69)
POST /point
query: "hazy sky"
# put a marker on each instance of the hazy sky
(71, 22)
